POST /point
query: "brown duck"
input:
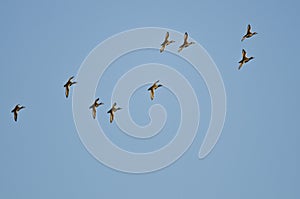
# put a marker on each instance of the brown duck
(16, 111)
(112, 112)
(249, 33)
(153, 88)
(166, 42)
(245, 59)
(94, 106)
(68, 85)
(185, 42)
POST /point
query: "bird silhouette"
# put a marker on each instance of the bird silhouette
(166, 42)
(249, 33)
(94, 107)
(16, 110)
(185, 42)
(68, 85)
(153, 88)
(245, 59)
(112, 112)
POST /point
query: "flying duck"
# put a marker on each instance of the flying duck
(249, 33)
(16, 111)
(153, 88)
(68, 85)
(245, 59)
(112, 111)
(94, 107)
(185, 42)
(166, 42)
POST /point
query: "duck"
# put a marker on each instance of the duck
(245, 59)
(249, 33)
(16, 110)
(94, 107)
(185, 42)
(153, 88)
(68, 85)
(112, 112)
(166, 42)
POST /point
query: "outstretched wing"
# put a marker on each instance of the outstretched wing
(91, 106)
(243, 53)
(70, 78)
(163, 45)
(186, 37)
(111, 118)
(249, 29)
(15, 115)
(162, 48)
(181, 47)
(240, 66)
(167, 36)
(94, 112)
(152, 94)
(67, 91)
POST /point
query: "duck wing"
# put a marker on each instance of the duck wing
(152, 94)
(111, 118)
(249, 29)
(163, 46)
(15, 115)
(67, 91)
(185, 37)
(244, 53)
(94, 112)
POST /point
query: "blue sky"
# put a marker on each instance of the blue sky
(44, 43)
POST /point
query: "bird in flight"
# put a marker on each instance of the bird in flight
(245, 59)
(16, 110)
(153, 88)
(94, 107)
(166, 42)
(185, 42)
(249, 33)
(68, 85)
(112, 111)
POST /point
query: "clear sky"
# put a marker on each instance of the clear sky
(44, 43)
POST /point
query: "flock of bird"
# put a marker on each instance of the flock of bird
(167, 42)
(186, 44)
(154, 86)
(245, 59)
